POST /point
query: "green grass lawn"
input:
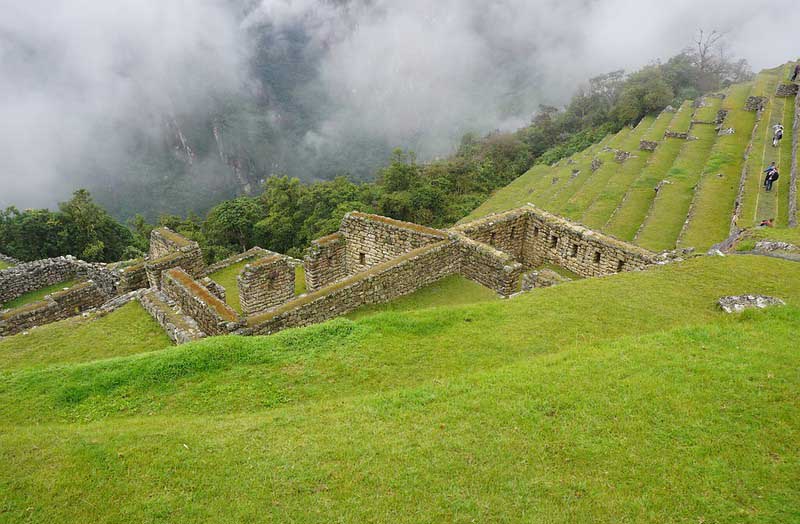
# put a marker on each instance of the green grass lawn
(667, 214)
(633, 207)
(126, 331)
(454, 290)
(4, 265)
(785, 164)
(653, 407)
(713, 202)
(227, 278)
(37, 295)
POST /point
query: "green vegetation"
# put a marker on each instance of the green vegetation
(656, 407)
(299, 280)
(710, 216)
(663, 224)
(4, 265)
(227, 278)
(126, 331)
(450, 291)
(633, 209)
(775, 234)
(35, 296)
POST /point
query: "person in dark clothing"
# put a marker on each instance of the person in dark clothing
(768, 171)
(796, 72)
(772, 177)
(776, 138)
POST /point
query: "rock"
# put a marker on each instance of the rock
(769, 246)
(738, 303)
(596, 163)
(716, 253)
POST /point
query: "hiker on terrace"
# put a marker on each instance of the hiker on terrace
(766, 223)
(771, 178)
(796, 72)
(776, 138)
(768, 171)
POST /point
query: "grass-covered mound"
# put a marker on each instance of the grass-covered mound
(628, 398)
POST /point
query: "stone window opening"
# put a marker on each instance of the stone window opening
(513, 232)
(597, 257)
(362, 259)
(491, 239)
(553, 241)
(535, 232)
(575, 248)
(620, 265)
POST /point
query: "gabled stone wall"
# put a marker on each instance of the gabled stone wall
(266, 283)
(371, 239)
(164, 241)
(189, 258)
(324, 262)
(213, 316)
(506, 232)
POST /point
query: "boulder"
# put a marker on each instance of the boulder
(738, 303)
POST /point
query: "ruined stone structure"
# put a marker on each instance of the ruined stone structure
(786, 90)
(371, 259)
(170, 250)
(266, 283)
(213, 316)
(647, 145)
(56, 306)
(755, 103)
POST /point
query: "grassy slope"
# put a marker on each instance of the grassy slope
(665, 219)
(785, 159)
(4, 265)
(126, 331)
(561, 199)
(778, 234)
(633, 207)
(612, 194)
(577, 205)
(450, 291)
(761, 150)
(630, 413)
(37, 295)
(713, 202)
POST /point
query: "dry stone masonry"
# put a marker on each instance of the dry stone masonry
(786, 90)
(266, 283)
(371, 259)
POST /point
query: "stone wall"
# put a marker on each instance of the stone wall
(164, 241)
(488, 266)
(30, 276)
(552, 239)
(755, 103)
(324, 262)
(506, 232)
(371, 239)
(132, 277)
(381, 283)
(56, 306)
(179, 328)
(252, 253)
(8, 260)
(213, 316)
(265, 283)
(189, 258)
(786, 90)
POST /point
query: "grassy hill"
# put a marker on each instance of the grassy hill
(697, 179)
(629, 398)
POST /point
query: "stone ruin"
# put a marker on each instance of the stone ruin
(786, 90)
(647, 145)
(755, 103)
(370, 260)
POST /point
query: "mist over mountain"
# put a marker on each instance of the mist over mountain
(171, 106)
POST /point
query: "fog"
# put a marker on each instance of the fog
(79, 79)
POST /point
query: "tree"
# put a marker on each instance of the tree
(231, 222)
